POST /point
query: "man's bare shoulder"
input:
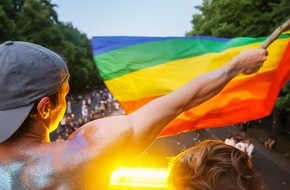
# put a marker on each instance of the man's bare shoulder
(42, 165)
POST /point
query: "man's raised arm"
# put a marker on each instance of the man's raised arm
(150, 120)
(125, 137)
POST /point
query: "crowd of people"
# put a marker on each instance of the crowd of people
(98, 104)
(241, 142)
(245, 144)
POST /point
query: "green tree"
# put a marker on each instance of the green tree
(232, 18)
(17, 4)
(7, 24)
(53, 13)
(76, 48)
(36, 21)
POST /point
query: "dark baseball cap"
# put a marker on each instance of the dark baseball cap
(28, 72)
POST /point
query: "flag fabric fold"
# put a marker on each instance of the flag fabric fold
(138, 69)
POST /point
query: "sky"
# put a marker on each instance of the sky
(128, 17)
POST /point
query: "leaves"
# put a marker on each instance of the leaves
(36, 21)
(233, 18)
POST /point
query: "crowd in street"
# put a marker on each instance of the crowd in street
(242, 142)
(98, 104)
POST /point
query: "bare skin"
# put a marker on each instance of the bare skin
(90, 155)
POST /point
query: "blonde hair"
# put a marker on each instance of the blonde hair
(212, 165)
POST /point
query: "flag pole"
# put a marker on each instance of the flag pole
(275, 34)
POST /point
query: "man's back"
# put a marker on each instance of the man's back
(50, 166)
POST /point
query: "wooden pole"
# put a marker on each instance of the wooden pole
(275, 34)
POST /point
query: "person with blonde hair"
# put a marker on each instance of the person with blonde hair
(213, 165)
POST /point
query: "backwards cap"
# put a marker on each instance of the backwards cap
(28, 72)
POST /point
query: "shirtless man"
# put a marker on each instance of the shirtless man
(33, 87)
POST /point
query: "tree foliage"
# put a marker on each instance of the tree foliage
(36, 21)
(232, 18)
(283, 101)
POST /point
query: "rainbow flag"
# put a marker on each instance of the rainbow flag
(139, 69)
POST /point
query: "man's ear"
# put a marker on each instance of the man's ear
(43, 107)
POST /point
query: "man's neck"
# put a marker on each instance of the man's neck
(36, 131)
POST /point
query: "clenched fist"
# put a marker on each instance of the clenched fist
(249, 61)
